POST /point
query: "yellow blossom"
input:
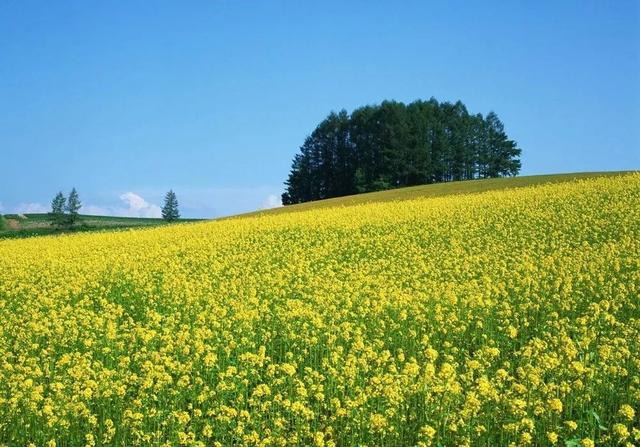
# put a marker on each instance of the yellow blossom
(627, 412)
(466, 319)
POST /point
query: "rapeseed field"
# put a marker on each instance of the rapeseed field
(502, 318)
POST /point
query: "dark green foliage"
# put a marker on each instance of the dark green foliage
(72, 207)
(170, 209)
(56, 216)
(393, 145)
(64, 212)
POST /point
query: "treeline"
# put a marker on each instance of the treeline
(395, 144)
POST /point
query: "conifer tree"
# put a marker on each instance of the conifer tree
(72, 207)
(56, 216)
(170, 208)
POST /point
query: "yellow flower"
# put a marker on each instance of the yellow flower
(555, 405)
(627, 412)
(525, 438)
(377, 422)
(428, 431)
(621, 431)
(586, 442)
(288, 369)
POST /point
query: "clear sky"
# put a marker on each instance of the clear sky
(127, 99)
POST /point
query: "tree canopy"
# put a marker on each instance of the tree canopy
(393, 144)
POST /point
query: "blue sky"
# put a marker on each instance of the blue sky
(125, 100)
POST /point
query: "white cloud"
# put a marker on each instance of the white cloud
(138, 207)
(94, 210)
(272, 201)
(1, 207)
(210, 202)
(31, 208)
(135, 206)
(193, 202)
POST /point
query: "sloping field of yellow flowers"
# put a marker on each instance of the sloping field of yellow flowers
(507, 317)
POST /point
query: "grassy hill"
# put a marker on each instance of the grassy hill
(25, 225)
(436, 190)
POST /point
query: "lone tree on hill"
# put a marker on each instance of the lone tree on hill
(72, 207)
(57, 210)
(170, 209)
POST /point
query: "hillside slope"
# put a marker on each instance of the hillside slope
(19, 226)
(507, 316)
(438, 190)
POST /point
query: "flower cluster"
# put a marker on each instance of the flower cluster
(503, 318)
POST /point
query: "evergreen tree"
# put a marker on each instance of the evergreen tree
(56, 215)
(503, 152)
(170, 209)
(393, 142)
(417, 153)
(72, 207)
(363, 139)
(343, 175)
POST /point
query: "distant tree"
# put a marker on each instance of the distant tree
(56, 216)
(170, 209)
(72, 207)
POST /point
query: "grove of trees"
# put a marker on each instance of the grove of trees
(64, 212)
(393, 144)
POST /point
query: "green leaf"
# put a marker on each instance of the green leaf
(597, 418)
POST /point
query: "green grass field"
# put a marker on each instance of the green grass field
(26, 225)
